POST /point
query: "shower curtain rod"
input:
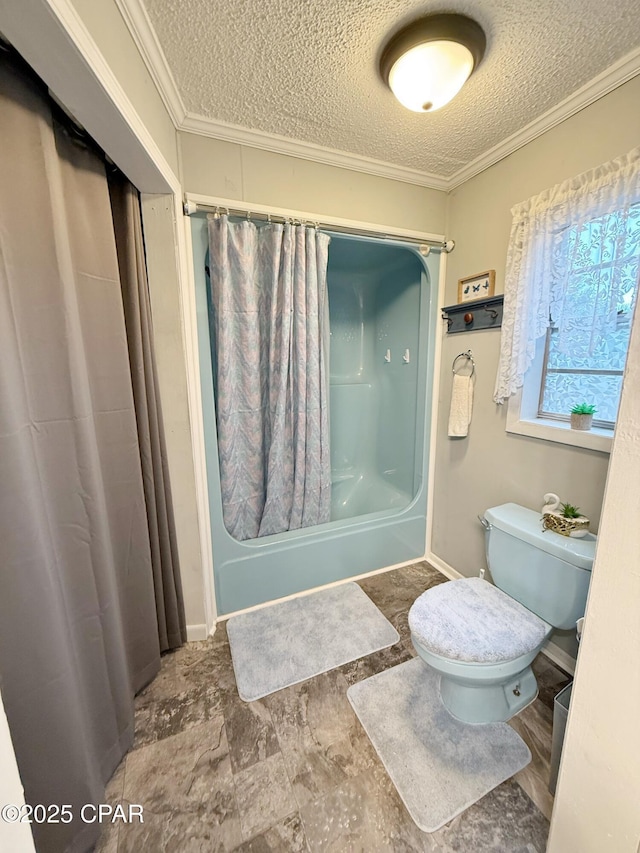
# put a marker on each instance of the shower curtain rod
(191, 207)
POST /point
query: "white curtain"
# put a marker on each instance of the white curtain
(553, 234)
(269, 318)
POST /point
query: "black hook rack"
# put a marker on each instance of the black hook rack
(474, 315)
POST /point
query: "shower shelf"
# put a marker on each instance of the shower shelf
(474, 315)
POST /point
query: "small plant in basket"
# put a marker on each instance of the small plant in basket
(582, 416)
(566, 519)
(570, 511)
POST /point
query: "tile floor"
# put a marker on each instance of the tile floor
(295, 771)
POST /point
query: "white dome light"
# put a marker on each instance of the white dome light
(428, 76)
(427, 63)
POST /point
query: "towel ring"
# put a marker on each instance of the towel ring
(469, 356)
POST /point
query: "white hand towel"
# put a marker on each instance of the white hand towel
(461, 406)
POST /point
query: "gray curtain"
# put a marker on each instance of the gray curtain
(78, 631)
(127, 223)
(269, 313)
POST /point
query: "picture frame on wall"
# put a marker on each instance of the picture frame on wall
(478, 286)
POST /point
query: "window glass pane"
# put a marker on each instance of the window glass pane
(595, 300)
(610, 353)
(564, 390)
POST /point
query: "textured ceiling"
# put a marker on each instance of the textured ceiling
(308, 70)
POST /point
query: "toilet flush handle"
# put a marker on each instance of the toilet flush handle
(483, 521)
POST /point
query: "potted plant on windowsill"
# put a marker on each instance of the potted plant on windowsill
(582, 416)
(563, 518)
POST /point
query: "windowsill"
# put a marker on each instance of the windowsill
(561, 432)
(522, 415)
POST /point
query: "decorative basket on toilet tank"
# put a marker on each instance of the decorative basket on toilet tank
(563, 518)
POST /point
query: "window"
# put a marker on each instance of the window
(586, 363)
(570, 289)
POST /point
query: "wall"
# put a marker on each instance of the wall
(491, 466)
(158, 215)
(107, 28)
(596, 807)
(228, 170)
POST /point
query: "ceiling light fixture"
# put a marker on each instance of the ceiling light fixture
(427, 63)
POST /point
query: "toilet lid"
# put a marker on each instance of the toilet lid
(472, 620)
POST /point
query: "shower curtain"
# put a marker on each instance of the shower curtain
(269, 314)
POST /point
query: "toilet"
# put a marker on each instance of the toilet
(481, 637)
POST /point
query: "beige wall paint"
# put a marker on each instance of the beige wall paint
(164, 288)
(597, 801)
(491, 467)
(104, 22)
(227, 170)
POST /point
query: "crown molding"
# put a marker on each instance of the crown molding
(144, 35)
(620, 72)
(308, 151)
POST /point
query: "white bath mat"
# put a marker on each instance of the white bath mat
(439, 765)
(290, 642)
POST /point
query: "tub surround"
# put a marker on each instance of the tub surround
(382, 295)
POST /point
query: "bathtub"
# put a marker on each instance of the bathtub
(382, 302)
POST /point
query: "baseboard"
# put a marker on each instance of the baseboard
(560, 657)
(196, 632)
(439, 564)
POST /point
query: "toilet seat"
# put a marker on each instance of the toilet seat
(471, 621)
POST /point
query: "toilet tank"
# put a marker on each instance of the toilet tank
(543, 570)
